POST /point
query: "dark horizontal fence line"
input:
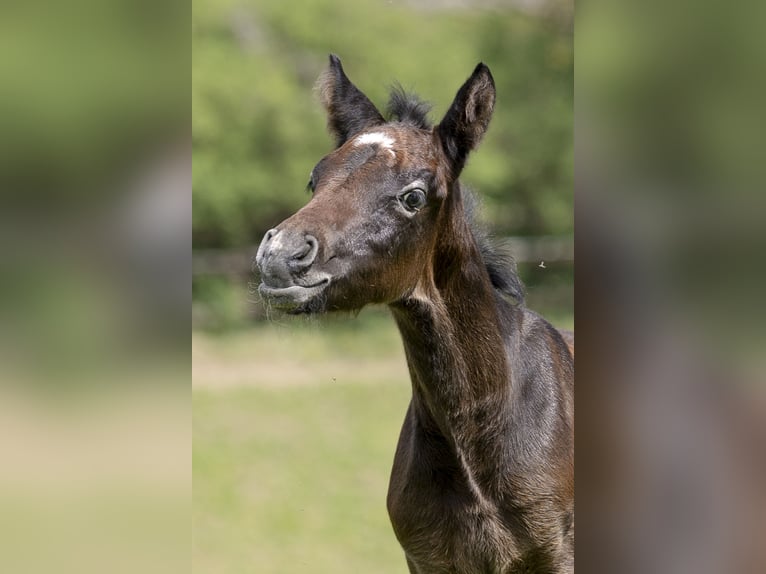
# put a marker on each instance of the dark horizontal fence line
(238, 262)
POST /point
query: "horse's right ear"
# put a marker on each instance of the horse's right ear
(349, 111)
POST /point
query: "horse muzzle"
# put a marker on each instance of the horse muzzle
(285, 260)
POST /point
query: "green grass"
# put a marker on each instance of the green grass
(294, 429)
(295, 479)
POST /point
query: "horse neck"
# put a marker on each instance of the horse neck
(453, 339)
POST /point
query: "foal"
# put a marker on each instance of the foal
(482, 480)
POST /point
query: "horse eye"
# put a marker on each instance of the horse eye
(414, 200)
(310, 184)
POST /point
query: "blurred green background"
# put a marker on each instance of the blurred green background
(95, 211)
(295, 421)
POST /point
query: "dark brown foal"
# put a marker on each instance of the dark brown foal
(483, 477)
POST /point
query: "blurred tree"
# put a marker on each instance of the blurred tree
(258, 131)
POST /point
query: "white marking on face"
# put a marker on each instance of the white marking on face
(379, 138)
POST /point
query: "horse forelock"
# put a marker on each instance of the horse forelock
(408, 108)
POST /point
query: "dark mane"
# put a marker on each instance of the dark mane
(498, 260)
(408, 108)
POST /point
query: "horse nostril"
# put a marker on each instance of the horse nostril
(313, 244)
(307, 253)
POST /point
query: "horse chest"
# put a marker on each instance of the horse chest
(438, 519)
(441, 532)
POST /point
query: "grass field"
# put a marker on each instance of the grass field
(294, 429)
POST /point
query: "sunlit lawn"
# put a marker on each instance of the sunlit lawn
(293, 478)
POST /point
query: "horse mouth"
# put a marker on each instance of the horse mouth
(293, 298)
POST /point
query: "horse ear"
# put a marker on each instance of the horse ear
(467, 119)
(349, 111)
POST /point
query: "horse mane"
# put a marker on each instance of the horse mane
(497, 258)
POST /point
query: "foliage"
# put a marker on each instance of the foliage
(258, 130)
(88, 89)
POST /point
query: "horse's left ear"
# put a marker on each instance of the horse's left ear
(349, 111)
(467, 119)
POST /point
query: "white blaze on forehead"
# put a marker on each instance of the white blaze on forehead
(383, 140)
